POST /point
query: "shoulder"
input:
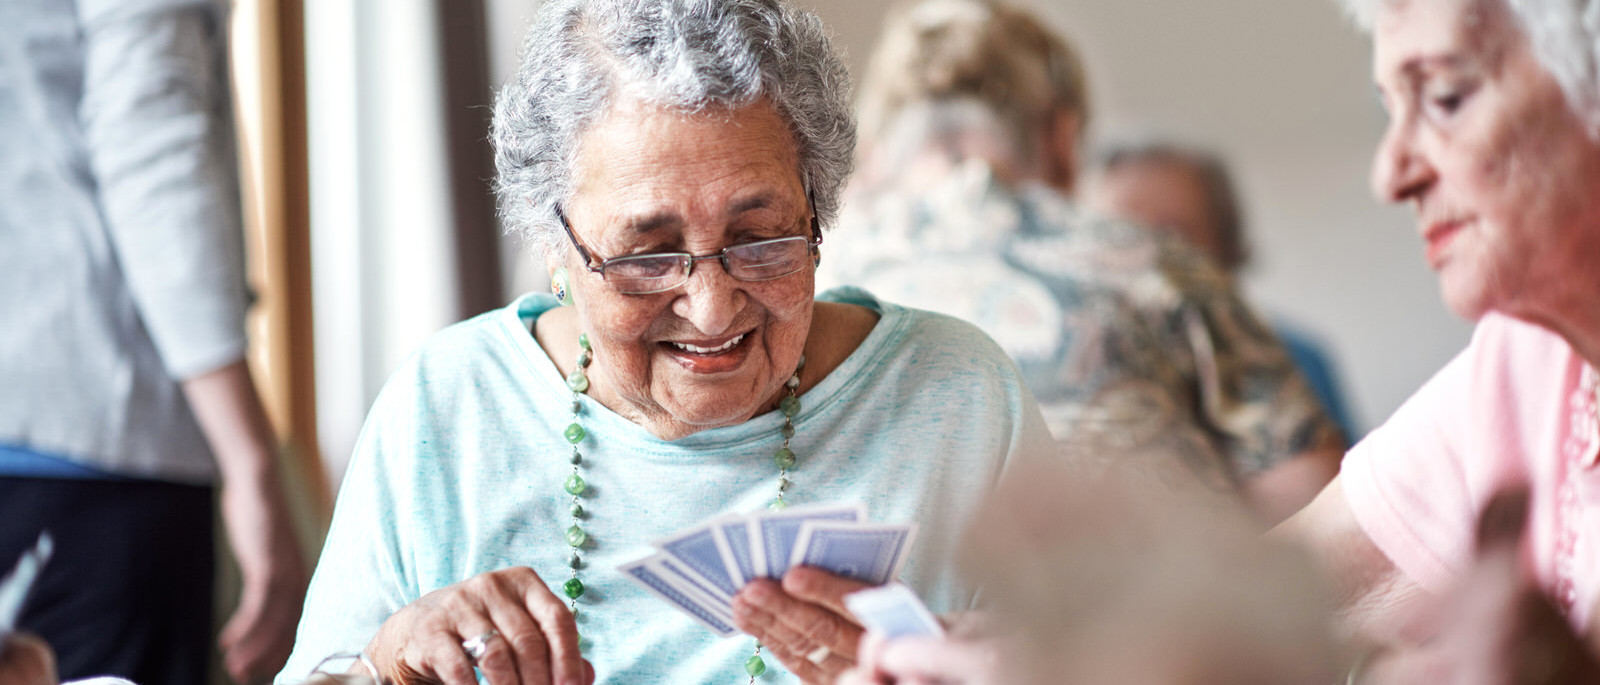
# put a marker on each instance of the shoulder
(936, 344)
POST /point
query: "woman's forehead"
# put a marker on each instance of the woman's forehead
(646, 161)
(1412, 36)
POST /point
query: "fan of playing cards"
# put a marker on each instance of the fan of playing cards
(701, 569)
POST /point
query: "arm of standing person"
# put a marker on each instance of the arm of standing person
(257, 638)
(157, 124)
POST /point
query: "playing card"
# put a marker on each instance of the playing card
(732, 534)
(868, 552)
(893, 611)
(15, 586)
(773, 533)
(697, 551)
(649, 573)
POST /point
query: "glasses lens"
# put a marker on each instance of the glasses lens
(768, 259)
(646, 273)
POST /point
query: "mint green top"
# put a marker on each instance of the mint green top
(460, 466)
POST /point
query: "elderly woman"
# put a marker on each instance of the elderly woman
(1463, 531)
(676, 160)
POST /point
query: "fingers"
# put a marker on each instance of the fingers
(560, 631)
(811, 640)
(528, 637)
(820, 587)
(795, 623)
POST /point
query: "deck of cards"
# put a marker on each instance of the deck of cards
(701, 569)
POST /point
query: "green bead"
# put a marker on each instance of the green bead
(576, 510)
(584, 358)
(790, 406)
(784, 458)
(778, 504)
(575, 485)
(583, 342)
(578, 381)
(573, 587)
(755, 666)
(576, 537)
(787, 430)
(575, 433)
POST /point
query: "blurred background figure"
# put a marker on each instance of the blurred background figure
(124, 395)
(971, 118)
(1120, 576)
(1190, 192)
(1479, 493)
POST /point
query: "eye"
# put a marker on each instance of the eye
(1445, 103)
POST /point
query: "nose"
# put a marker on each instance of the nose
(1400, 171)
(711, 299)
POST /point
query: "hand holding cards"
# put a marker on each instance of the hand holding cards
(701, 569)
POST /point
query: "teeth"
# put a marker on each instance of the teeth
(724, 347)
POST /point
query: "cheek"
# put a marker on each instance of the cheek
(621, 326)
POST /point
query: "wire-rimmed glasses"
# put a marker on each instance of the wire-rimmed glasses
(647, 274)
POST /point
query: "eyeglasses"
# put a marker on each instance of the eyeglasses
(647, 274)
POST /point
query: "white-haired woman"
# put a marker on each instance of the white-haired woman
(1464, 534)
(675, 160)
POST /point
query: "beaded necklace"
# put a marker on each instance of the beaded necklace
(575, 486)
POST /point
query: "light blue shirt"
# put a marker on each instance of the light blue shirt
(459, 468)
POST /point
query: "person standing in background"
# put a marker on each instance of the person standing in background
(124, 395)
(972, 116)
(1190, 193)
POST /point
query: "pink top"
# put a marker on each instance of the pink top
(1517, 406)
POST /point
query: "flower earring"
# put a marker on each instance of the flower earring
(560, 286)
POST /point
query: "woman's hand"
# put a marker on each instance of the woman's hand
(1497, 627)
(803, 622)
(534, 639)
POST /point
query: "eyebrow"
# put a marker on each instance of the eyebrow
(1415, 66)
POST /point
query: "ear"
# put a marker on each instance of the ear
(1062, 137)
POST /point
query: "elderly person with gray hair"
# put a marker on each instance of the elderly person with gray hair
(1464, 533)
(677, 160)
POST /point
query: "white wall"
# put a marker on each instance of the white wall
(1283, 90)
(383, 274)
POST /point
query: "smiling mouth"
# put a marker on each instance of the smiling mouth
(719, 349)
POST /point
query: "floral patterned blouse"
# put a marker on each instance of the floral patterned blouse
(1131, 341)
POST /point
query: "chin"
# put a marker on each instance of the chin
(1465, 295)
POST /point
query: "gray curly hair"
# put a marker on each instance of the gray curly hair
(696, 56)
(1564, 36)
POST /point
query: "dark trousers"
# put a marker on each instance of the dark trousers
(128, 589)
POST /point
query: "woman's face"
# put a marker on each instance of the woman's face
(714, 351)
(1503, 176)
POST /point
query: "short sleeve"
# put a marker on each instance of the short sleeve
(1407, 482)
(1250, 393)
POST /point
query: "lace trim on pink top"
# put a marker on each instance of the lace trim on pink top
(1579, 451)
